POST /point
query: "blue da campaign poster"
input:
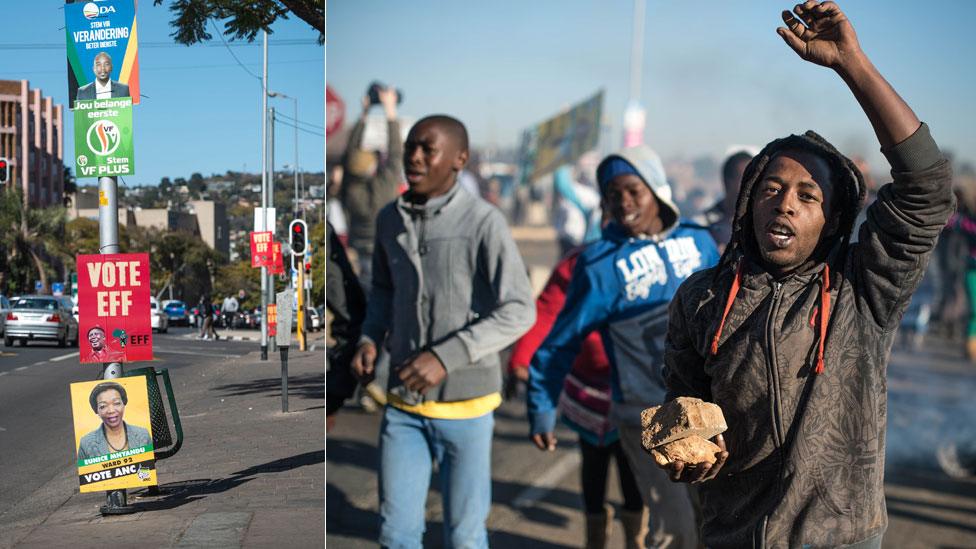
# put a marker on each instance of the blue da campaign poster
(103, 54)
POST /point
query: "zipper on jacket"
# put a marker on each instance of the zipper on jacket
(772, 365)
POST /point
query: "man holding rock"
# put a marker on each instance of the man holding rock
(791, 332)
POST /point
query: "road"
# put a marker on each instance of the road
(36, 432)
(536, 496)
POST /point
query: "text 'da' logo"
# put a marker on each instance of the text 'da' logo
(103, 137)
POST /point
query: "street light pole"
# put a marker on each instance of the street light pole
(296, 196)
(262, 224)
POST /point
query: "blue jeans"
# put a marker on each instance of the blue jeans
(409, 444)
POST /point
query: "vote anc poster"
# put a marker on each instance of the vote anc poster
(113, 308)
(113, 434)
(103, 138)
(103, 52)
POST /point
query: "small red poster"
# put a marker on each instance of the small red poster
(113, 308)
(277, 263)
(261, 249)
(272, 319)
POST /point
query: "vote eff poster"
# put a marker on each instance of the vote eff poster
(261, 249)
(113, 434)
(113, 308)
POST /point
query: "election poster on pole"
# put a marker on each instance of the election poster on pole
(277, 262)
(113, 434)
(113, 308)
(103, 138)
(103, 50)
(272, 319)
(261, 249)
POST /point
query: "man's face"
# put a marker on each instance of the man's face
(633, 206)
(431, 159)
(109, 406)
(96, 338)
(103, 68)
(791, 204)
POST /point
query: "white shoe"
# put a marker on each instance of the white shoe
(948, 458)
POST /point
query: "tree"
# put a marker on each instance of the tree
(244, 19)
(30, 241)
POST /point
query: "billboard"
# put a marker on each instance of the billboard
(113, 434)
(562, 139)
(103, 55)
(103, 138)
(113, 308)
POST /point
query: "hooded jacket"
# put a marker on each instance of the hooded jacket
(621, 286)
(798, 364)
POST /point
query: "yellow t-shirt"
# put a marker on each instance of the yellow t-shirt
(459, 409)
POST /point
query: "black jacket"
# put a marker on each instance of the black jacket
(806, 464)
(346, 306)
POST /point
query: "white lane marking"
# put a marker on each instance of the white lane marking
(547, 481)
(2, 429)
(3, 373)
(164, 352)
(21, 368)
(64, 357)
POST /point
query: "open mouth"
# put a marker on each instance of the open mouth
(780, 234)
(414, 177)
(631, 217)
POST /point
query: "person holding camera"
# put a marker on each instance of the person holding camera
(370, 180)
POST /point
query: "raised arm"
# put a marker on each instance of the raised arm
(820, 33)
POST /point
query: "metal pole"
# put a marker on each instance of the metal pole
(108, 243)
(264, 197)
(297, 196)
(284, 378)
(273, 343)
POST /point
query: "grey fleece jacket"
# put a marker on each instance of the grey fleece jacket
(447, 278)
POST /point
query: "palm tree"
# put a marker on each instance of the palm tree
(29, 238)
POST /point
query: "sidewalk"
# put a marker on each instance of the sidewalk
(247, 474)
(252, 335)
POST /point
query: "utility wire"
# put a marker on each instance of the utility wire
(283, 115)
(279, 121)
(231, 52)
(56, 46)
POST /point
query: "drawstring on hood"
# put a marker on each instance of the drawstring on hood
(849, 186)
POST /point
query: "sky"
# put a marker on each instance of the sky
(713, 74)
(200, 110)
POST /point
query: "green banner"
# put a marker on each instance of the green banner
(103, 138)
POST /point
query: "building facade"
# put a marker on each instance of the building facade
(32, 141)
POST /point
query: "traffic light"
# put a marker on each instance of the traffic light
(308, 267)
(298, 237)
(4, 170)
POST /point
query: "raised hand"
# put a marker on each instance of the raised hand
(820, 33)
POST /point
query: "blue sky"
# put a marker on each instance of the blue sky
(714, 74)
(203, 111)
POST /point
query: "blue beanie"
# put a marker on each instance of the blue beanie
(612, 168)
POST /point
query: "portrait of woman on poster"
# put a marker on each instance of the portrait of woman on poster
(108, 400)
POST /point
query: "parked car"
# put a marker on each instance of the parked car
(159, 320)
(40, 317)
(314, 320)
(176, 311)
(4, 309)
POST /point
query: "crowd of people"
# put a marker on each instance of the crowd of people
(780, 304)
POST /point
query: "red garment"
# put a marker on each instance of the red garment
(591, 365)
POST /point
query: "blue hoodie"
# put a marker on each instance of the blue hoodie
(621, 286)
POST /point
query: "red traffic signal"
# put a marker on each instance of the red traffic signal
(298, 237)
(4, 170)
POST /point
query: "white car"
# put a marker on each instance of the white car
(160, 321)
